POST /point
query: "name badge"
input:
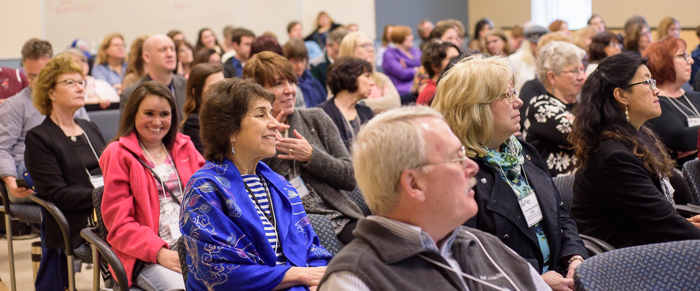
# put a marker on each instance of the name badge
(97, 181)
(298, 184)
(175, 229)
(693, 121)
(531, 210)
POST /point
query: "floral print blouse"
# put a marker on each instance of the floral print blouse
(547, 128)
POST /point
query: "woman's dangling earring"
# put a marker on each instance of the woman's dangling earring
(627, 113)
(233, 151)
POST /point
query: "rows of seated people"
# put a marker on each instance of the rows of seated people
(210, 135)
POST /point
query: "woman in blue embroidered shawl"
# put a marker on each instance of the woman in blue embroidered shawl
(245, 227)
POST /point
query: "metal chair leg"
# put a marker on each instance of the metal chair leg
(71, 273)
(10, 251)
(95, 268)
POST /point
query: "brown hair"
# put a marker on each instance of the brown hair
(225, 106)
(127, 124)
(661, 54)
(343, 74)
(265, 43)
(632, 35)
(195, 85)
(136, 64)
(295, 49)
(239, 33)
(202, 56)
(556, 25)
(46, 81)
(102, 52)
(292, 25)
(171, 34)
(433, 54)
(200, 44)
(264, 66)
(399, 33)
(36, 48)
(385, 35)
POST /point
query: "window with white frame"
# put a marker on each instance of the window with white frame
(575, 12)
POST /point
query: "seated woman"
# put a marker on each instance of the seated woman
(207, 39)
(324, 25)
(637, 38)
(350, 80)
(402, 61)
(603, 45)
(62, 157)
(111, 61)
(245, 227)
(206, 55)
(314, 93)
(201, 78)
(96, 91)
(136, 68)
(680, 119)
(185, 58)
(621, 190)
(146, 168)
(479, 38)
(324, 166)
(477, 99)
(497, 43)
(436, 55)
(383, 95)
(549, 116)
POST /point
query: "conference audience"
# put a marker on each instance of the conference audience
(516, 37)
(159, 59)
(583, 37)
(622, 193)
(677, 127)
(96, 91)
(13, 82)
(597, 21)
(423, 29)
(383, 95)
(549, 115)
(62, 157)
(226, 48)
(402, 61)
(241, 42)
(265, 42)
(319, 65)
(350, 80)
(637, 38)
(146, 168)
(695, 54)
(206, 55)
(136, 68)
(603, 45)
(176, 35)
(525, 59)
(497, 43)
(386, 42)
(314, 93)
(421, 192)
(476, 97)
(185, 58)
(324, 25)
(560, 26)
(201, 78)
(436, 55)
(324, 168)
(207, 39)
(244, 225)
(669, 26)
(478, 39)
(111, 61)
(446, 33)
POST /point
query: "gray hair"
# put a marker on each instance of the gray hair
(386, 146)
(75, 52)
(555, 56)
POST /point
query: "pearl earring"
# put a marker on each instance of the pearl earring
(627, 113)
(233, 151)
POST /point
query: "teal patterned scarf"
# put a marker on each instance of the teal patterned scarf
(508, 163)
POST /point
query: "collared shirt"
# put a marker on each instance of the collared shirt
(346, 280)
(238, 65)
(105, 72)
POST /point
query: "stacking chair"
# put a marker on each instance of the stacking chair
(324, 230)
(691, 173)
(100, 249)
(182, 256)
(356, 196)
(28, 213)
(107, 121)
(664, 266)
(83, 251)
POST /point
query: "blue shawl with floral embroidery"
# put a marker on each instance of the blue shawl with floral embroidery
(226, 244)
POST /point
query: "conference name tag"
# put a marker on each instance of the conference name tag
(175, 230)
(298, 184)
(97, 181)
(531, 209)
(693, 121)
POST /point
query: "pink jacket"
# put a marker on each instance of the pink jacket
(130, 205)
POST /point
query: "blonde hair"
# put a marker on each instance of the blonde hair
(102, 52)
(502, 35)
(550, 37)
(464, 94)
(664, 25)
(580, 35)
(555, 56)
(459, 26)
(395, 136)
(46, 81)
(347, 49)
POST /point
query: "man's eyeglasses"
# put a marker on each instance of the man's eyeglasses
(651, 82)
(463, 159)
(685, 56)
(72, 83)
(510, 96)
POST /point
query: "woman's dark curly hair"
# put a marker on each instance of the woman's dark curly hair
(343, 74)
(599, 117)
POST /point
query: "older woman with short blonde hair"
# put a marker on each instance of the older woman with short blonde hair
(384, 95)
(477, 99)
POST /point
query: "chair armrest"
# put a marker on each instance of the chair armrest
(604, 246)
(688, 210)
(60, 218)
(105, 250)
(592, 248)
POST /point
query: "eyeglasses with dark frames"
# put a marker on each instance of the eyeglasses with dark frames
(72, 83)
(651, 82)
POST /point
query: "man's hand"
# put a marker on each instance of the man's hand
(557, 282)
(17, 192)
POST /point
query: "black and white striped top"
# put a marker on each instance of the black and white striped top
(253, 182)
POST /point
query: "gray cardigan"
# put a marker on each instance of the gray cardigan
(330, 168)
(17, 116)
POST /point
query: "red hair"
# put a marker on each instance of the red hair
(661, 54)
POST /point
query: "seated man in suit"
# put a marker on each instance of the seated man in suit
(421, 199)
(160, 61)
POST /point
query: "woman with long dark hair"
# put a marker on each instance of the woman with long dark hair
(622, 193)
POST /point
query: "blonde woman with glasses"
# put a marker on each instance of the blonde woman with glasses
(549, 115)
(476, 97)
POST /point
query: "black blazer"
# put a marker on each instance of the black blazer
(500, 214)
(364, 113)
(617, 200)
(60, 177)
(191, 128)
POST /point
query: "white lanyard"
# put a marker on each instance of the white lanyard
(693, 110)
(162, 184)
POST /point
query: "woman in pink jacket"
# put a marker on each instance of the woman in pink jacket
(145, 172)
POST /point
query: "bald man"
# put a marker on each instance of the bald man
(160, 61)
